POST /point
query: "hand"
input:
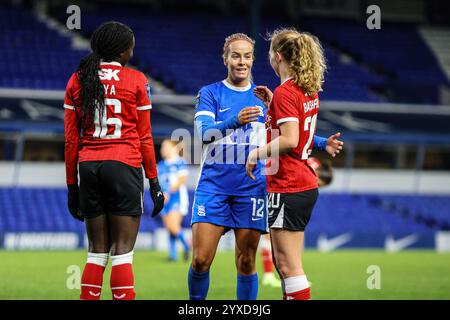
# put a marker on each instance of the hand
(251, 163)
(248, 114)
(157, 196)
(73, 202)
(166, 197)
(264, 94)
(334, 146)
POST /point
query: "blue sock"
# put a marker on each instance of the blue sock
(172, 247)
(181, 237)
(247, 287)
(198, 283)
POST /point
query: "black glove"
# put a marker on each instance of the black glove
(157, 196)
(73, 202)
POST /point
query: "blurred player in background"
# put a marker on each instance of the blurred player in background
(173, 173)
(323, 170)
(298, 60)
(225, 198)
(324, 173)
(108, 135)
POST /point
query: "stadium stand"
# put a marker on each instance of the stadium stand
(179, 42)
(163, 50)
(41, 210)
(33, 56)
(37, 57)
(427, 210)
(45, 210)
(438, 39)
(338, 213)
(400, 52)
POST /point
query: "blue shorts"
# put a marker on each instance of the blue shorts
(178, 202)
(231, 212)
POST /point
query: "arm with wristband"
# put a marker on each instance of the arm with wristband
(320, 143)
(205, 118)
(208, 128)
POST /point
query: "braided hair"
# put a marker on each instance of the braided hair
(107, 43)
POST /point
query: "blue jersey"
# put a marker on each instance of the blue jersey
(168, 174)
(223, 160)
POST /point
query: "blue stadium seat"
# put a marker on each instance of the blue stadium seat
(184, 52)
(44, 210)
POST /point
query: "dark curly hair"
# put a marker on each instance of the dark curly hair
(107, 43)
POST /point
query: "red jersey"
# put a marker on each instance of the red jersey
(290, 103)
(122, 132)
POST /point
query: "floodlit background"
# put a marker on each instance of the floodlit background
(387, 90)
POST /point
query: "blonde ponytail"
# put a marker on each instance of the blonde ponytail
(304, 56)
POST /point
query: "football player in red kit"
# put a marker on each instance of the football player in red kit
(297, 58)
(108, 137)
(324, 173)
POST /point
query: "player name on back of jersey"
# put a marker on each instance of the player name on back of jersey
(110, 89)
(109, 74)
(311, 105)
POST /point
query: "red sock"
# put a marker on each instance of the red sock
(92, 278)
(304, 294)
(267, 260)
(122, 279)
(296, 288)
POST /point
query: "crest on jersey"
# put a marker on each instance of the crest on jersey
(201, 211)
(149, 92)
(197, 101)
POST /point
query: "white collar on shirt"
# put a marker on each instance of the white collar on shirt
(114, 63)
(286, 80)
(230, 86)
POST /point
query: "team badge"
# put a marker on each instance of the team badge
(201, 210)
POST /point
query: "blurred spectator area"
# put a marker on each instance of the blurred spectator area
(381, 89)
(183, 49)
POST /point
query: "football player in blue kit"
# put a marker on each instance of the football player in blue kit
(230, 120)
(173, 173)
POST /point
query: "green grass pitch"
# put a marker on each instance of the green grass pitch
(337, 275)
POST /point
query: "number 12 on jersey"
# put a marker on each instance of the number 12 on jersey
(258, 208)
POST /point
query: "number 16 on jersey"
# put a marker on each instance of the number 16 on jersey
(101, 122)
